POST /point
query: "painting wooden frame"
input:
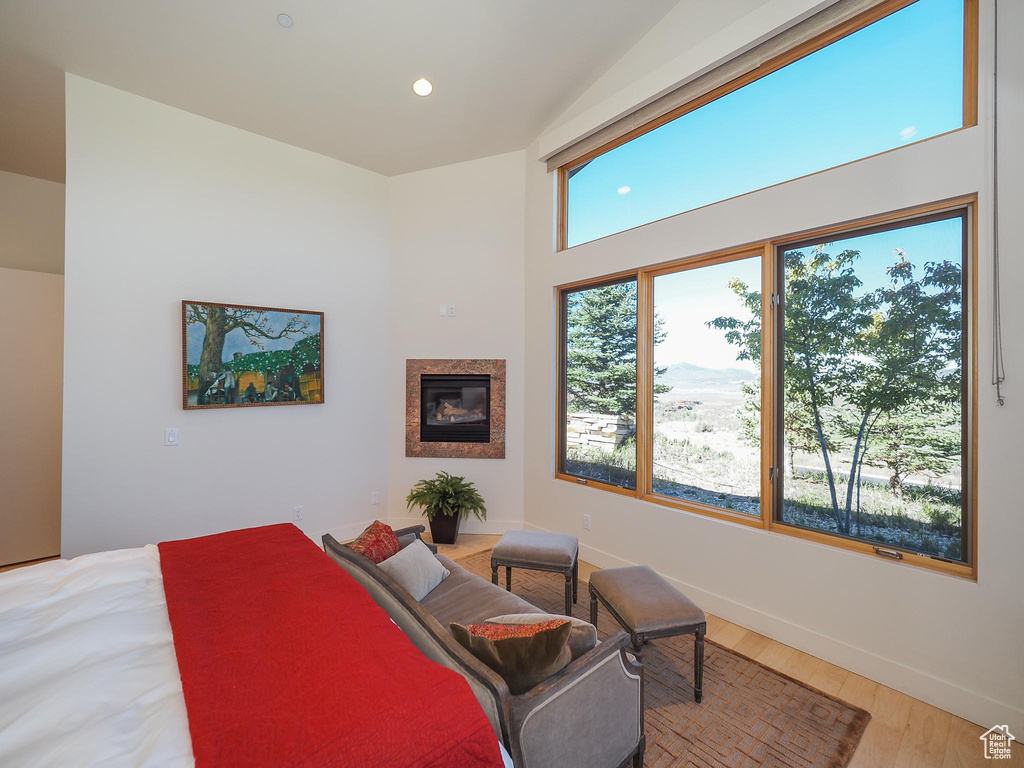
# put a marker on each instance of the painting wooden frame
(290, 373)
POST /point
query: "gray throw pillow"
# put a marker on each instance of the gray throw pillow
(582, 636)
(416, 569)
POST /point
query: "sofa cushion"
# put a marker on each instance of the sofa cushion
(523, 654)
(377, 543)
(582, 635)
(416, 569)
(468, 599)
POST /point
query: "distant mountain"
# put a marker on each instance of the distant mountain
(690, 376)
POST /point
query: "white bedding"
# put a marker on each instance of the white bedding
(87, 665)
(88, 675)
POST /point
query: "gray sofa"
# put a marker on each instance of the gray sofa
(589, 714)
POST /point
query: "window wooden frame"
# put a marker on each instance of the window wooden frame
(845, 29)
(770, 252)
(563, 327)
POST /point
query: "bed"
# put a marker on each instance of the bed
(245, 648)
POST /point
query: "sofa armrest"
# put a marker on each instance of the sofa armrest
(591, 713)
(417, 531)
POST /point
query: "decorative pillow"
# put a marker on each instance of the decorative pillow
(523, 654)
(582, 636)
(376, 543)
(416, 569)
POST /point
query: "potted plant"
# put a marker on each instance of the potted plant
(445, 500)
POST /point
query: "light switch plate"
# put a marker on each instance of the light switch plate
(171, 436)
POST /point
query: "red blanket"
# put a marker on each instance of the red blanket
(286, 660)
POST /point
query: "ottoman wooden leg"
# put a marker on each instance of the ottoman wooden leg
(698, 665)
(639, 639)
(575, 577)
(593, 608)
(508, 578)
(494, 573)
(568, 592)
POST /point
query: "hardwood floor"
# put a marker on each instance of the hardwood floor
(903, 733)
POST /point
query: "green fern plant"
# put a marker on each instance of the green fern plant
(447, 495)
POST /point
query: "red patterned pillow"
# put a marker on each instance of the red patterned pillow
(376, 543)
(523, 654)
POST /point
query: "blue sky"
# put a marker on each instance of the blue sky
(687, 300)
(237, 342)
(893, 83)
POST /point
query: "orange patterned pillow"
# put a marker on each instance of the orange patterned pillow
(376, 543)
(503, 631)
(523, 654)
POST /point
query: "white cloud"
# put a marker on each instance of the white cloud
(908, 133)
(623, 190)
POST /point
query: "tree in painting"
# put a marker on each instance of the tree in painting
(220, 321)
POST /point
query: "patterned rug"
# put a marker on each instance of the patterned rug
(750, 715)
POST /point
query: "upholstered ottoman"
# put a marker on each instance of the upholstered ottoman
(647, 606)
(539, 551)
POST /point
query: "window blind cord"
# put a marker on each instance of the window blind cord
(998, 371)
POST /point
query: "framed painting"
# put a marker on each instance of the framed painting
(241, 356)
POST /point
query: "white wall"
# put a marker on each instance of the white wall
(457, 238)
(952, 642)
(32, 316)
(693, 38)
(31, 224)
(162, 206)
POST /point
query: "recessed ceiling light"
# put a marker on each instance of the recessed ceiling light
(623, 190)
(422, 87)
(285, 20)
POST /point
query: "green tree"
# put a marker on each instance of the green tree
(852, 357)
(601, 350)
(923, 437)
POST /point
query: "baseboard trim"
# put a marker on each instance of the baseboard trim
(468, 526)
(963, 702)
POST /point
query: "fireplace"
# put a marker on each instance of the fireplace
(455, 408)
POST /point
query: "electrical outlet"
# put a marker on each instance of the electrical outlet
(586, 522)
(375, 497)
(300, 513)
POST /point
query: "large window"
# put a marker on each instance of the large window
(872, 395)
(818, 387)
(599, 439)
(894, 82)
(707, 418)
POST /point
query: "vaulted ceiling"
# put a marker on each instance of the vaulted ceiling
(338, 82)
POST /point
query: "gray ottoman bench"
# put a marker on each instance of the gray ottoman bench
(539, 551)
(647, 606)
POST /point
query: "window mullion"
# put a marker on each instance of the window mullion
(769, 366)
(644, 384)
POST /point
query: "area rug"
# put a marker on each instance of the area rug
(750, 715)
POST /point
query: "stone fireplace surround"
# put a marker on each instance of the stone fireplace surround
(495, 449)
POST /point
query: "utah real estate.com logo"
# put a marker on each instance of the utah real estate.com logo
(997, 742)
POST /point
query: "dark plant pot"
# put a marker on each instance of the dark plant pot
(444, 529)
